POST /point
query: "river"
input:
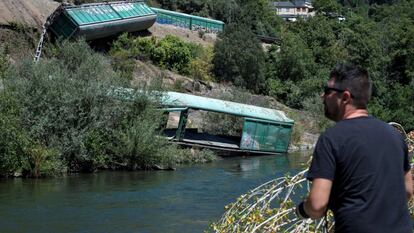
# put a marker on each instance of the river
(185, 200)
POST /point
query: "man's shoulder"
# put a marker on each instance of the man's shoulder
(361, 126)
(358, 122)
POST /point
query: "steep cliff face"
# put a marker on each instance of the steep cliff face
(31, 13)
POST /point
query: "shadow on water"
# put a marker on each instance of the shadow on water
(186, 200)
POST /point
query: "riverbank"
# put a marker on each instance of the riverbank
(57, 118)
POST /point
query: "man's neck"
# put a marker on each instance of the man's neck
(355, 113)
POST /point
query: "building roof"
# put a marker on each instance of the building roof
(180, 100)
(295, 3)
(283, 4)
(301, 3)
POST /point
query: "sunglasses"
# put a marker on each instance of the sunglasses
(327, 90)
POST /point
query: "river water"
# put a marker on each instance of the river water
(185, 200)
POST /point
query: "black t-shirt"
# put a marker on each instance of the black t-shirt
(366, 159)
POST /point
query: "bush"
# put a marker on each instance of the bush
(42, 162)
(60, 114)
(4, 63)
(140, 146)
(196, 156)
(172, 53)
(13, 139)
(201, 66)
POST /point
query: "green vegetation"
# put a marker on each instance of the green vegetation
(58, 115)
(378, 35)
(4, 63)
(169, 53)
(239, 58)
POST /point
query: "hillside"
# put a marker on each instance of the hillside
(31, 13)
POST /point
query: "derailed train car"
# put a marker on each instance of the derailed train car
(99, 20)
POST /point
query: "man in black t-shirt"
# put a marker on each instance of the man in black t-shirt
(360, 168)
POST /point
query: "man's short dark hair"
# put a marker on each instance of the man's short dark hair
(355, 80)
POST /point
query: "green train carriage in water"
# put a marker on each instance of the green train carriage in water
(265, 131)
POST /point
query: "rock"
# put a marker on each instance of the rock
(196, 86)
(161, 168)
(17, 174)
(188, 86)
(292, 148)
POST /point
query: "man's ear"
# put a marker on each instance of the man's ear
(346, 97)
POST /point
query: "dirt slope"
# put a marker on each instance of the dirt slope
(32, 13)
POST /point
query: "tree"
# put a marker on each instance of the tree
(327, 6)
(259, 16)
(239, 58)
(224, 10)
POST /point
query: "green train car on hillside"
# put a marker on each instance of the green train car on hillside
(188, 21)
(99, 20)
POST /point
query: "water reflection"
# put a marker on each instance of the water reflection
(186, 200)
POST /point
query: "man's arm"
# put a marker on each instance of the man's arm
(408, 184)
(317, 202)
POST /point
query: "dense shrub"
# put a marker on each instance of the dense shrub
(4, 63)
(170, 53)
(200, 67)
(62, 114)
(13, 140)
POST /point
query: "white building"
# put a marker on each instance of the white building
(290, 11)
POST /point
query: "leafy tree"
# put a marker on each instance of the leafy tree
(292, 62)
(239, 58)
(168, 4)
(259, 16)
(191, 6)
(224, 10)
(327, 6)
(361, 41)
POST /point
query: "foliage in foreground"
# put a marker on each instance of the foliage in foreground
(58, 115)
(271, 206)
